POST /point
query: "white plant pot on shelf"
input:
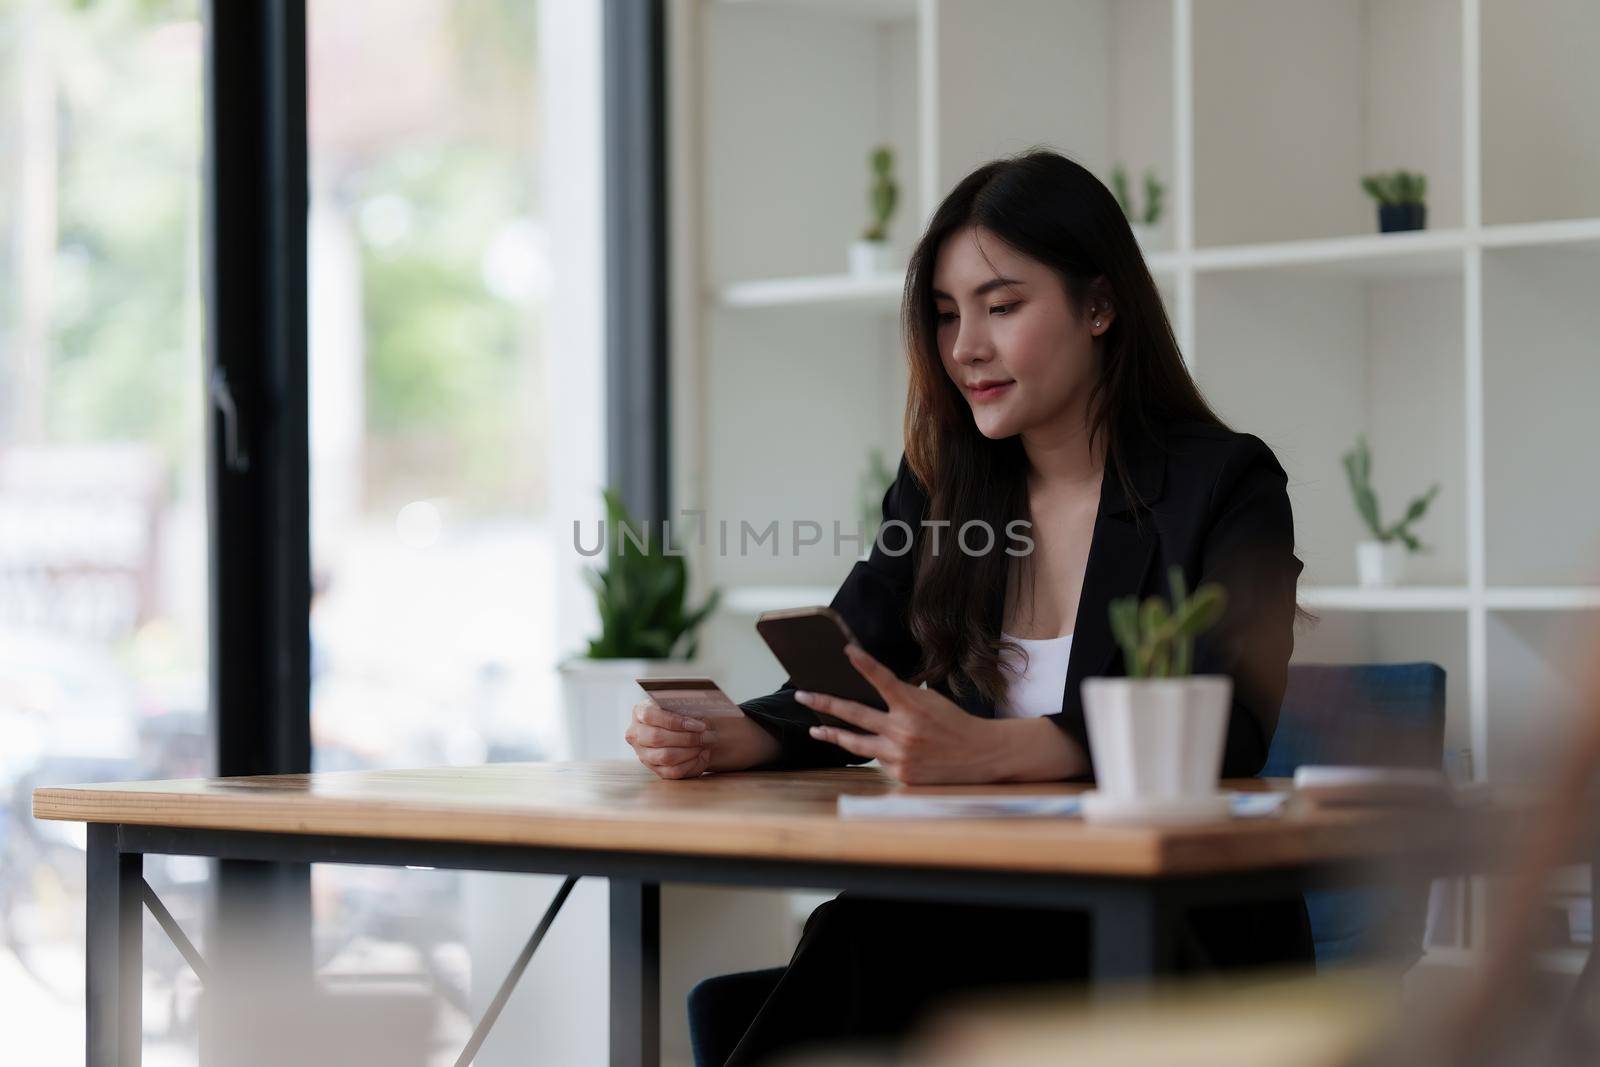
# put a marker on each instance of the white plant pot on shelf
(598, 695)
(1380, 563)
(1157, 748)
(869, 258)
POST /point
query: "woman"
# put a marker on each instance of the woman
(1045, 385)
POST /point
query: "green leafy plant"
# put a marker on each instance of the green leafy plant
(1396, 188)
(641, 595)
(1358, 468)
(1154, 195)
(883, 196)
(875, 482)
(1158, 640)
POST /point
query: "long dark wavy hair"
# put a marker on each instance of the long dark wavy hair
(1054, 211)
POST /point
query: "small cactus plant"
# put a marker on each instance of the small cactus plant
(883, 196)
(1154, 194)
(1358, 468)
(1400, 196)
(1157, 640)
(1396, 189)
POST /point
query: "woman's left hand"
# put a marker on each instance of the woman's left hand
(924, 738)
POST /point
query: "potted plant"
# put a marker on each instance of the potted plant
(1380, 561)
(1156, 735)
(1143, 226)
(870, 254)
(1400, 196)
(645, 631)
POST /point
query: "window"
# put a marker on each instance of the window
(103, 618)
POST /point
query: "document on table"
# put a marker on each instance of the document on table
(1004, 805)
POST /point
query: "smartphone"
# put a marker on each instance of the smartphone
(809, 642)
(698, 698)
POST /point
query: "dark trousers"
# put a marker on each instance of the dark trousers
(865, 969)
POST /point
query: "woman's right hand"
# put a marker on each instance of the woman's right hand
(678, 746)
(671, 745)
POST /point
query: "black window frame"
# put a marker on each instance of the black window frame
(638, 401)
(254, 270)
(256, 207)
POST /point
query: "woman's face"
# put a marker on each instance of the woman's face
(1006, 318)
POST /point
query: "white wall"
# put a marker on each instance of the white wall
(1541, 110)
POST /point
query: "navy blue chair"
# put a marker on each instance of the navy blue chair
(1370, 715)
(721, 1009)
(1386, 715)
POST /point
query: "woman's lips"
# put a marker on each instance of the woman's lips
(989, 393)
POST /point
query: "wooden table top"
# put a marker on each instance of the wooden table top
(619, 805)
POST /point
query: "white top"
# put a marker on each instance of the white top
(1038, 689)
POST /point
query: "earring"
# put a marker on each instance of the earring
(1097, 323)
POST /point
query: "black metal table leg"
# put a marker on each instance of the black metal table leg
(1133, 937)
(635, 973)
(114, 977)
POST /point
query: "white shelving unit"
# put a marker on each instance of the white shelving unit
(822, 291)
(1467, 352)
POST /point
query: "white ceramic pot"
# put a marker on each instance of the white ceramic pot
(869, 258)
(598, 695)
(1157, 747)
(1381, 563)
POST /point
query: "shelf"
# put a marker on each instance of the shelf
(754, 599)
(823, 290)
(1355, 88)
(1094, 81)
(1394, 598)
(1567, 961)
(1576, 598)
(865, 10)
(1307, 362)
(1463, 352)
(1540, 318)
(1165, 263)
(790, 100)
(1534, 665)
(1448, 598)
(879, 292)
(1377, 256)
(1418, 253)
(1538, 234)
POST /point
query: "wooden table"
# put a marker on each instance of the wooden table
(614, 819)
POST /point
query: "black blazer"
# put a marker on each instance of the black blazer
(1218, 507)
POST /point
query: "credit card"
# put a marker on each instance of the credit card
(699, 697)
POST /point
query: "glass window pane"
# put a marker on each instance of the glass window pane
(103, 624)
(431, 618)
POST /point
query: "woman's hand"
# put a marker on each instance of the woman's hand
(923, 739)
(671, 745)
(679, 746)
